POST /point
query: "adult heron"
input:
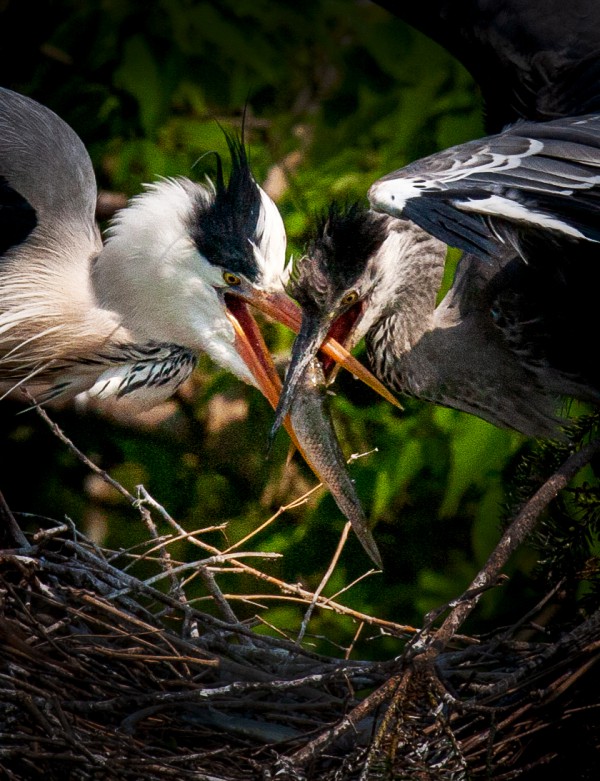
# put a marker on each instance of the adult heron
(522, 203)
(127, 319)
(506, 342)
(533, 184)
(531, 59)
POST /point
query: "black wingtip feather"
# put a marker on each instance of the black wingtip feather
(17, 217)
(469, 233)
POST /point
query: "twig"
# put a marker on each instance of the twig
(512, 538)
(57, 431)
(163, 541)
(218, 558)
(354, 639)
(7, 520)
(291, 588)
(284, 508)
(323, 583)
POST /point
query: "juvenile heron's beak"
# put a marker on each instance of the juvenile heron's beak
(306, 345)
(252, 349)
(320, 333)
(284, 310)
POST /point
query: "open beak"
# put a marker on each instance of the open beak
(252, 349)
(319, 334)
(315, 440)
(284, 310)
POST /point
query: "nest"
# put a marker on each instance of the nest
(104, 675)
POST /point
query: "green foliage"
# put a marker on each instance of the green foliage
(338, 94)
(567, 540)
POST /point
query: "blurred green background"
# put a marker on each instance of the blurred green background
(338, 94)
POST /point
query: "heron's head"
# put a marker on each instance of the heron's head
(239, 231)
(183, 260)
(335, 278)
(334, 283)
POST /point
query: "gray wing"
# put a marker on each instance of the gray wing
(48, 237)
(47, 182)
(534, 176)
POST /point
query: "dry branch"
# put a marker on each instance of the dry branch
(107, 674)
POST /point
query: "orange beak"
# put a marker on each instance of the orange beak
(252, 349)
(284, 310)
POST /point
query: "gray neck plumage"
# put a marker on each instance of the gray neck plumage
(411, 264)
(490, 347)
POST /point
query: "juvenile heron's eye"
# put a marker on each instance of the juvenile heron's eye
(231, 279)
(350, 298)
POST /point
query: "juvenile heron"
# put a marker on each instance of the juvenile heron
(506, 342)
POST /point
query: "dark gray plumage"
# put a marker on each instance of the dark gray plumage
(514, 333)
(532, 59)
(505, 343)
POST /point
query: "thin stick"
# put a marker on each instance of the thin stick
(357, 634)
(7, 519)
(57, 431)
(323, 583)
(512, 538)
(292, 505)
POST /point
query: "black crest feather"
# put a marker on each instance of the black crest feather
(223, 232)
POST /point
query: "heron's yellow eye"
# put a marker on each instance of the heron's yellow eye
(350, 298)
(231, 279)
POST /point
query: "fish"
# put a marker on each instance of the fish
(312, 424)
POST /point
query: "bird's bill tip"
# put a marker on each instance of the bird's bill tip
(341, 356)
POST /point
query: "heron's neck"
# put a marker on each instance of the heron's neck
(403, 302)
(148, 273)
